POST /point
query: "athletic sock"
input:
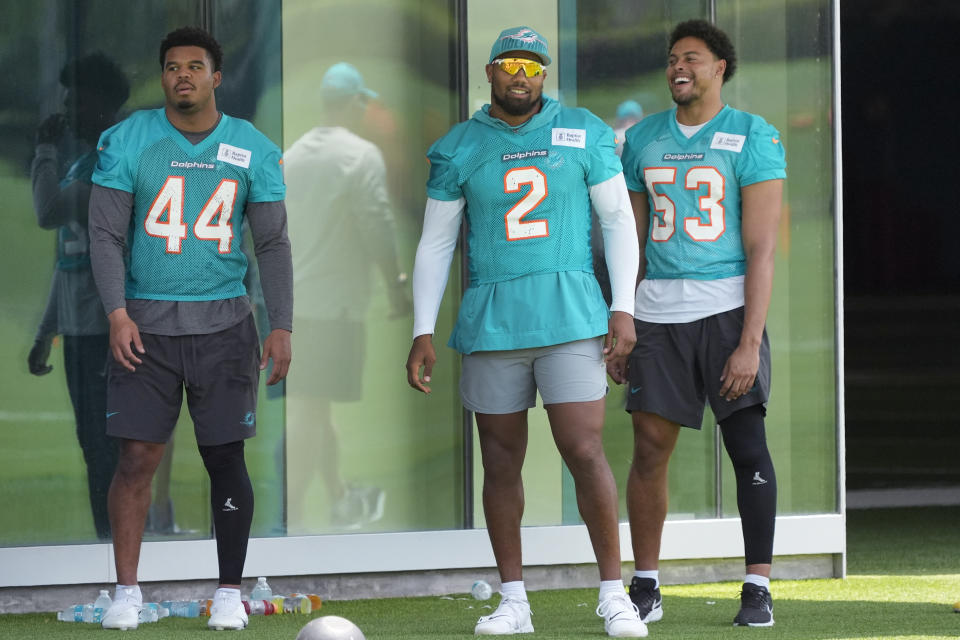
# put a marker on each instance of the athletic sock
(514, 589)
(608, 587)
(649, 575)
(760, 581)
(128, 591)
(230, 595)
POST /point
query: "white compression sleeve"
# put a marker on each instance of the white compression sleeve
(441, 228)
(612, 204)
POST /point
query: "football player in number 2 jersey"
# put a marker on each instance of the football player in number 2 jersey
(172, 189)
(706, 183)
(525, 171)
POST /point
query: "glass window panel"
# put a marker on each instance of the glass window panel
(373, 455)
(363, 451)
(43, 473)
(785, 74)
(621, 69)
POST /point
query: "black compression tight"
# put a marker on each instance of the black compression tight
(745, 439)
(231, 498)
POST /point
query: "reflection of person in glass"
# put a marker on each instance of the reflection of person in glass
(701, 308)
(525, 171)
(172, 189)
(95, 90)
(342, 230)
(629, 113)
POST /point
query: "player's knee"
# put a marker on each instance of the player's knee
(138, 460)
(222, 456)
(503, 469)
(744, 437)
(585, 454)
(651, 447)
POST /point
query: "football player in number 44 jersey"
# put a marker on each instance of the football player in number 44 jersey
(172, 189)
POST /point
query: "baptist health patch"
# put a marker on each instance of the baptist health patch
(728, 141)
(570, 137)
(234, 155)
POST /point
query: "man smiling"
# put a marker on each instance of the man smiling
(706, 182)
(526, 171)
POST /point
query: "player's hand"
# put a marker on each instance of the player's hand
(52, 129)
(617, 369)
(38, 356)
(277, 347)
(621, 336)
(125, 339)
(422, 356)
(739, 372)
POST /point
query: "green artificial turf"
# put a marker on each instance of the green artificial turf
(903, 578)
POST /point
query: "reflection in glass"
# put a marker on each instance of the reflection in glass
(343, 232)
(366, 87)
(96, 88)
(43, 473)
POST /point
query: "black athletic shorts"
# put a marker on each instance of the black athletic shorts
(675, 368)
(219, 371)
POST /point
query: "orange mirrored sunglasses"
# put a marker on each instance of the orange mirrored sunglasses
(513, 65)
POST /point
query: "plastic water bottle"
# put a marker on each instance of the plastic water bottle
(72, 613)
(151, 612)
(261, 591)
(101, 604)
(88, 613)
(182, 608)
(481, 590)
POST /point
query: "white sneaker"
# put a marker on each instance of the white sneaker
(512, 616)
(124, 612)
(227, 612)
(621, 618)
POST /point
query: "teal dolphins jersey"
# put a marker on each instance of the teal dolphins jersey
(693, 188)
(184, 241)
(73, 243)
(528, 215)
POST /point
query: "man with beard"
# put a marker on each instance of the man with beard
(706, 182)
(526, 171)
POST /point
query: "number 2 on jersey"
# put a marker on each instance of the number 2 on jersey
(665, 220)
(213, 223)
(513, 181)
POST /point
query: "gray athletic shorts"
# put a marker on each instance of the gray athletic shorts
(675, 368)
(219, 371)
(497, 382)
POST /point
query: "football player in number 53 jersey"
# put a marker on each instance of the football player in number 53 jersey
(705, 182)
(525, 171)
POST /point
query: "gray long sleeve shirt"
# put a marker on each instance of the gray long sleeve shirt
(110, 214)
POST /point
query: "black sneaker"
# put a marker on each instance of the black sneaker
(647, 598)
(756, 607)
